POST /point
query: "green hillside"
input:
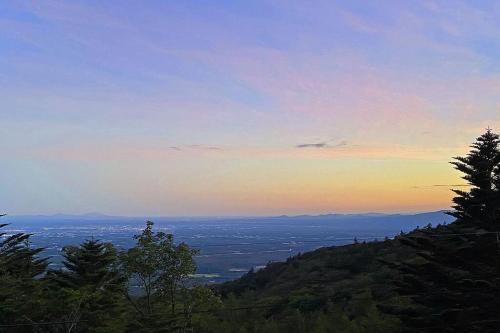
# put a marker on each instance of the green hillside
(328, 272)
(336, 287)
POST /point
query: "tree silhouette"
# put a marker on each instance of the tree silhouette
(160, 267)
(479, 206)
(453, 283)
(90, 286)
(19, 265)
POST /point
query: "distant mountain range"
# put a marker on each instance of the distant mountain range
(362, 221)
(99, 216)
(389, 222)
(364, 215)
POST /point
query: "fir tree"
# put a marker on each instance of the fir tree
(90, 287)
(19, 268)
(454, 282)
(479, 206)
(92, 264)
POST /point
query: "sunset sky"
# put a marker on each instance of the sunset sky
(241, 107)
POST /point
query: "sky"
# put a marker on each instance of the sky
(200, 108)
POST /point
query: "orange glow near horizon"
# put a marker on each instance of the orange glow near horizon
(214, 110)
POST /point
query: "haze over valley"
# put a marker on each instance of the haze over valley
(229, 247)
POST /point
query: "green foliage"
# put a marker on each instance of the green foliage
(91, 286)
(17, 258)
(161, 267)
(335, 289)
(19, 265)
(91, 265)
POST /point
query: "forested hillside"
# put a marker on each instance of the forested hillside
(333, 289)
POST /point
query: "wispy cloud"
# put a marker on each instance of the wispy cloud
(342, 143)
(385, 79)
(313, 145)
(204, 147)
(194, 147)
(448, 186)
(451, 185)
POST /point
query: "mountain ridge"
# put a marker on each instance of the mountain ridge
(97, 215)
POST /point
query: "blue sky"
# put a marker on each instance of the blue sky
(241, 108)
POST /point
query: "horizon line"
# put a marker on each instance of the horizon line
(97, 215)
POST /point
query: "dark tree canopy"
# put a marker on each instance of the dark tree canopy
(90, 288)
(479, 206)
(93, 264)
(18, 258)
(454, 282)
(19, 265)
(161, 269)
